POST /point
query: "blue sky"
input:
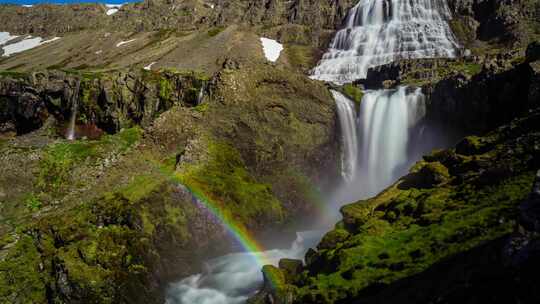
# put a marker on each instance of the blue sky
(21, 2)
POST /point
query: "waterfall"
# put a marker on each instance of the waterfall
(70, 133)
(378, 32)
(387, 125)
(200, 96)
(347, 120)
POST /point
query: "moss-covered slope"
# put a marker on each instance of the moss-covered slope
(110, 219)
(451, 202)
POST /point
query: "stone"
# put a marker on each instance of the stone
(529, 210)
(533, 52)
(332, 238)
(291, 268)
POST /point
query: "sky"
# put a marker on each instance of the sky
(28, 2)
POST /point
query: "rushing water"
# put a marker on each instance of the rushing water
(379, 143)
(70, 132)
(232, 278)
(347, 121)
(381, 31)
(388, 124)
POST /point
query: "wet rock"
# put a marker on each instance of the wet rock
(530, 208)
(332, 238)
(430, 175)
(291, 268)
(533, 52)
(472, 145)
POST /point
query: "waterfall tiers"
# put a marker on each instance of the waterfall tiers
(376, 141)
(347, 122)
(378, 32)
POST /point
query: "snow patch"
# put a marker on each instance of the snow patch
(99, 52)
(27, 5)
(272, 49)
(113, 8)
(25, 44)
(111, 11)
(119, 44)
(149, 67)
(5, 37)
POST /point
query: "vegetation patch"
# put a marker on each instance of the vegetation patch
(57, 162)
(451, 202)
(353, 92)
(225, 181)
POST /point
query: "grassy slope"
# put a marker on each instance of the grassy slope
(451, 201)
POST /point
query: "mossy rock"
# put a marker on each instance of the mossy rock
(333, 238)
(413, 226)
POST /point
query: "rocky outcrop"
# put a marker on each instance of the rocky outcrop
(467, 236)
(316, 20)
(109, 102)
(498, 23)
(467, 95)
(113, 219)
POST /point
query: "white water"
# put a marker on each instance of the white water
(381, 31)
(70, 133)
(200, 96)
(387, 124)
(233, 278)
(347, 122)
(390, 138)
(379, 144)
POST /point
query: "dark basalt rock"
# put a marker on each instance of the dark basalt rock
(533, 52)
(530, 209)
(107, 103)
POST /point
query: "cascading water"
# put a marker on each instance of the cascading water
(378, 145)
(381, 31)
(347, 119)
(233, 278)
(200, 96)
(388, 123)
(70, 133)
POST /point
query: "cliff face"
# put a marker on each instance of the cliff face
(109, 218)
(112, 217)
(459, 227)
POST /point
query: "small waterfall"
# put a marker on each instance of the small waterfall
(70, 133)
(378, 32)
(347, 121)
(201, 94)
(387, 126)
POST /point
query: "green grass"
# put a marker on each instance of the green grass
(215, 31)
(353, 92)
(57, 162)
(13, 74)
(226, 183)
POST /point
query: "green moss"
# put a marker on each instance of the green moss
(385, 252)
(225, 181)
(408, 228)
(353, 92)
(21, 280)
(201, 108)
(301, 56)
(141, 187)
(215, 31)
(165, 89)
(57, 162)
(13, 74)
(33, 203)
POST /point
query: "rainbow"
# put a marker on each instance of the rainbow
(235, 229)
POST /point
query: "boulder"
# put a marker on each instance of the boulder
(533, 52)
